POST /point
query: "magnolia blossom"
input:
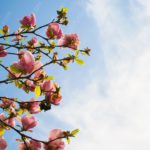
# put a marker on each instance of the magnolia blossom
(54, 96)
(32, 145)
(29, 85)
(7, 103)
(33, 107)
(33, 41)
(29, 21)
(57, 144)
(2, 116)
(26, 63)
(9, 121)
(28, 122)
(54, 31)
(3, 143)
(3, 52)
(70, 40)
(46, 86)
(39, 71)
(5, 29)
(52, 92)
(18, 36)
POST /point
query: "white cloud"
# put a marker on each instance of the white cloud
(114, 112)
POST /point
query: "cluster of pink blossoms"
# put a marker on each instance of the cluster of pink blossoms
(29, 75)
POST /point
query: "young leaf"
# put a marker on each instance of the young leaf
(14, 69)
(37, 91)
(79, 61)
(68, 140)
(50, 78)
(2, 131)
(76, 52)
(1, 31)
(20, 111)
(75, 132)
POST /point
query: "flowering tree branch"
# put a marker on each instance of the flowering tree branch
(28, 73)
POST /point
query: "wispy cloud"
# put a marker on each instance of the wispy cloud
(113, 111)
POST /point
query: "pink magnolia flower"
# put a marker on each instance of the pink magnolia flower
(3, 52)
(46, 86)
(5, 29)
(56, 144)
(54, 31)
(26, 63)
(29, 21)
(28, 122)
(55, 98)
(32, 145)
(70, 40)
(33, 41)
(51, 92)
(33, 106)
(54, 95)
(18, 36)
(3, 143)
(29, 85)
(55, 133)
(2, 116)
(11, 122)
(40, 72)
(7, 103)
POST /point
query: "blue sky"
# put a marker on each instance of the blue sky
(107, 98)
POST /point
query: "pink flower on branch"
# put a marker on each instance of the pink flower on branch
(46, 86)
(52, 92)
(9, 121)
(54, 31)
(32, 106)
(33, 41)
(54, 96)
(18, 36)
(5, 29)
(3, 143)
(54, 143)
(26, 63)
(28, 21)
(3, 52)
(28, 122)
(69, 40)
(7, 103)
(32, 145)
(38, 72)
(29, 85)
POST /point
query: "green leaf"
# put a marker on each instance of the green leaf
(14, 69)
(2, 131)
(76, 52)
(37, 91)
(1, 31)
(79, 61)
(65, 67)
(68, 140)
(20, 111)
(65, 10)
(75, 132)
(50, 78)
